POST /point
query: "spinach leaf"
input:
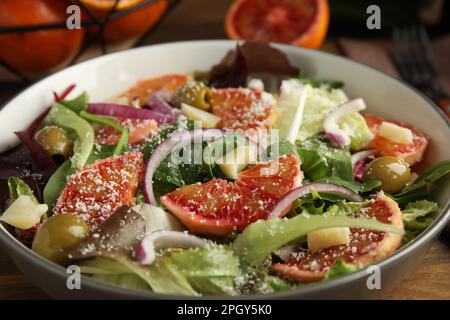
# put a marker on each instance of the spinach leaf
(162, 135)
(100, 151)
(320, 159)
(284, 147)
(56, 183)
(168, 172)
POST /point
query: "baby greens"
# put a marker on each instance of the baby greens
(67, 119)
(263, 237)
(320, 159)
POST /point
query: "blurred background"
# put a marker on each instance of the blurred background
(35, 42)
(414, 34)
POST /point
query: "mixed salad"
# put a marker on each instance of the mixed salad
(248, 178)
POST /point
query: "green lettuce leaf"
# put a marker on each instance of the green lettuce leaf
(319, 102)
(356, 127)
(18, 187)
(263, 237)
(129, 281)
(160, 277)
(258, 281)
(417, 216)
(418, 209)
(209, 270)
(67, 119)
(344, 208)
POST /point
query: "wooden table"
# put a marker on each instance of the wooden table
(203, 19)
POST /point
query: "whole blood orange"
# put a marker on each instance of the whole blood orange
(37, 51)
(411, 153)
(96, 191)
(364, 248)
(219, 207)
(131, 24)
(302, 23)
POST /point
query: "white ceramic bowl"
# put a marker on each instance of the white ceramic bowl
(109, 75)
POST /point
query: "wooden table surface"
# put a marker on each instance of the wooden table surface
(203, 19)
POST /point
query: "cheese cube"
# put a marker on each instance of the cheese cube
(325, 238)
(395, 133)
(24, 213)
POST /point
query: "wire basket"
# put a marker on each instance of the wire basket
(20, 79)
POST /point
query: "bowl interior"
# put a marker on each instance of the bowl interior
(107, 76)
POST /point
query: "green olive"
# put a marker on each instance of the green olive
(193, 93)
(55, 141)
(393, 172)
(57, 235)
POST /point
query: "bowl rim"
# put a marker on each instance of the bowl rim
(13, 244)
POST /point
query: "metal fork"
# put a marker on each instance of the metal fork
(414, 58)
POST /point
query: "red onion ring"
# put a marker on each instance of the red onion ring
(157, 102)
(146, 248)
(359, 161)
(293, 195)
(175, 142)
(117, 110)
(361, 155)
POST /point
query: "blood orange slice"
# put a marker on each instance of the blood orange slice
(365, 246)
(274, 178)
(145, 88)
(411, 153)
(243, 108)
(138, 130)
(219, 207)
(97, 190)
(300, 22)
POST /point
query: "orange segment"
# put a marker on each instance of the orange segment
(365, 246)
(275, 178)
(219, 207)
(96, 191)
(300, 22)
(138, 130)
(411, 153)
(243, 108)
(145, 88)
